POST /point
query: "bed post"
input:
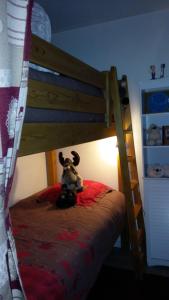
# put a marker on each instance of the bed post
(51, 167)
(125, 232)
(107, 96)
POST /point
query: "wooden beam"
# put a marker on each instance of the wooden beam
(41, 137)
(44, 95)
(107, 95)
(51, 167)
(51, 57)
(123, 159)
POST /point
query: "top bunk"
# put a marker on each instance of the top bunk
(69, 108)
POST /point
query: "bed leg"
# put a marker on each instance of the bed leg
(51, 167)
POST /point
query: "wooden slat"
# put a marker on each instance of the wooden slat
(125, 233)
(51, 167)
(127, 118)
(134, 183)
(137, 209)
(44, 95)
(128, 131)
(109, 108)
(41, 137)
(131, 158)
(51, 57)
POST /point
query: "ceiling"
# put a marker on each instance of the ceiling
(71, 14)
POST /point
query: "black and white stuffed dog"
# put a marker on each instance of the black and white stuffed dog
(71, 180)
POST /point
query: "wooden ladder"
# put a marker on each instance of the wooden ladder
(129, 174)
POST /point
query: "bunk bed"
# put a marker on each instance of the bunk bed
(61, 251)
(43, 135)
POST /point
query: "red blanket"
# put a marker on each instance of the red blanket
(39, 284)
(92, 191)
(61, 251)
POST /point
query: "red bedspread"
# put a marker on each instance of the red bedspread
(92, 190)
(61, 250)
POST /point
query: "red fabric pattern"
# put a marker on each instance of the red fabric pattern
(87, 197)
(66, 235)
(45, 246)
(22, 226)
(92, 190)
(82, 245)
(68, 268)
(22, 254)
(40, 284)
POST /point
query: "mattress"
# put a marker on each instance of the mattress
(61, 251)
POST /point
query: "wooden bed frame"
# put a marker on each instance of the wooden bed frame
(48, 136)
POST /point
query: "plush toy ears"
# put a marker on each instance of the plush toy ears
(61, 158)
(76, 158)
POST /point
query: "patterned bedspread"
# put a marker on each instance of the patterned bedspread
(61, 251)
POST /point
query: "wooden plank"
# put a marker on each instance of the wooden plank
(137, 209)
(131, 158)
(51, 57)
(123, 157)
(109, 108)
(126, 118)
(51, 167)
(41, 137)
(44, 95)
(134, 183)
(125, 233)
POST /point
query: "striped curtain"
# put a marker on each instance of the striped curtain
(15, 17)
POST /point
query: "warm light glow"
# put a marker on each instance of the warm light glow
(108, 150)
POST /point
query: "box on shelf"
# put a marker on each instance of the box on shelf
(156, 102)
(165, 130)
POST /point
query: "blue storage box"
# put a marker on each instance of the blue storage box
(158, 102)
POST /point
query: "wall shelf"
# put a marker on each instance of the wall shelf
(156, 147)
(158, 114)
(155, 178)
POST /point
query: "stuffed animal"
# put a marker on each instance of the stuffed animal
(71, 181)
(70, 177)
(154, 135)
(155, 171)
(66, 199)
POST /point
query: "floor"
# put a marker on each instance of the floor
(114, 282)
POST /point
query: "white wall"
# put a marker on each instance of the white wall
(29, 178)
(98, 160)
(132, 45)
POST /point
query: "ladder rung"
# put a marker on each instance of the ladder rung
(131, 158)
(137, 209)
(128, 131)
(134, 183)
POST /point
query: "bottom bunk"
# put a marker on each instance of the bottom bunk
(61, 251)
